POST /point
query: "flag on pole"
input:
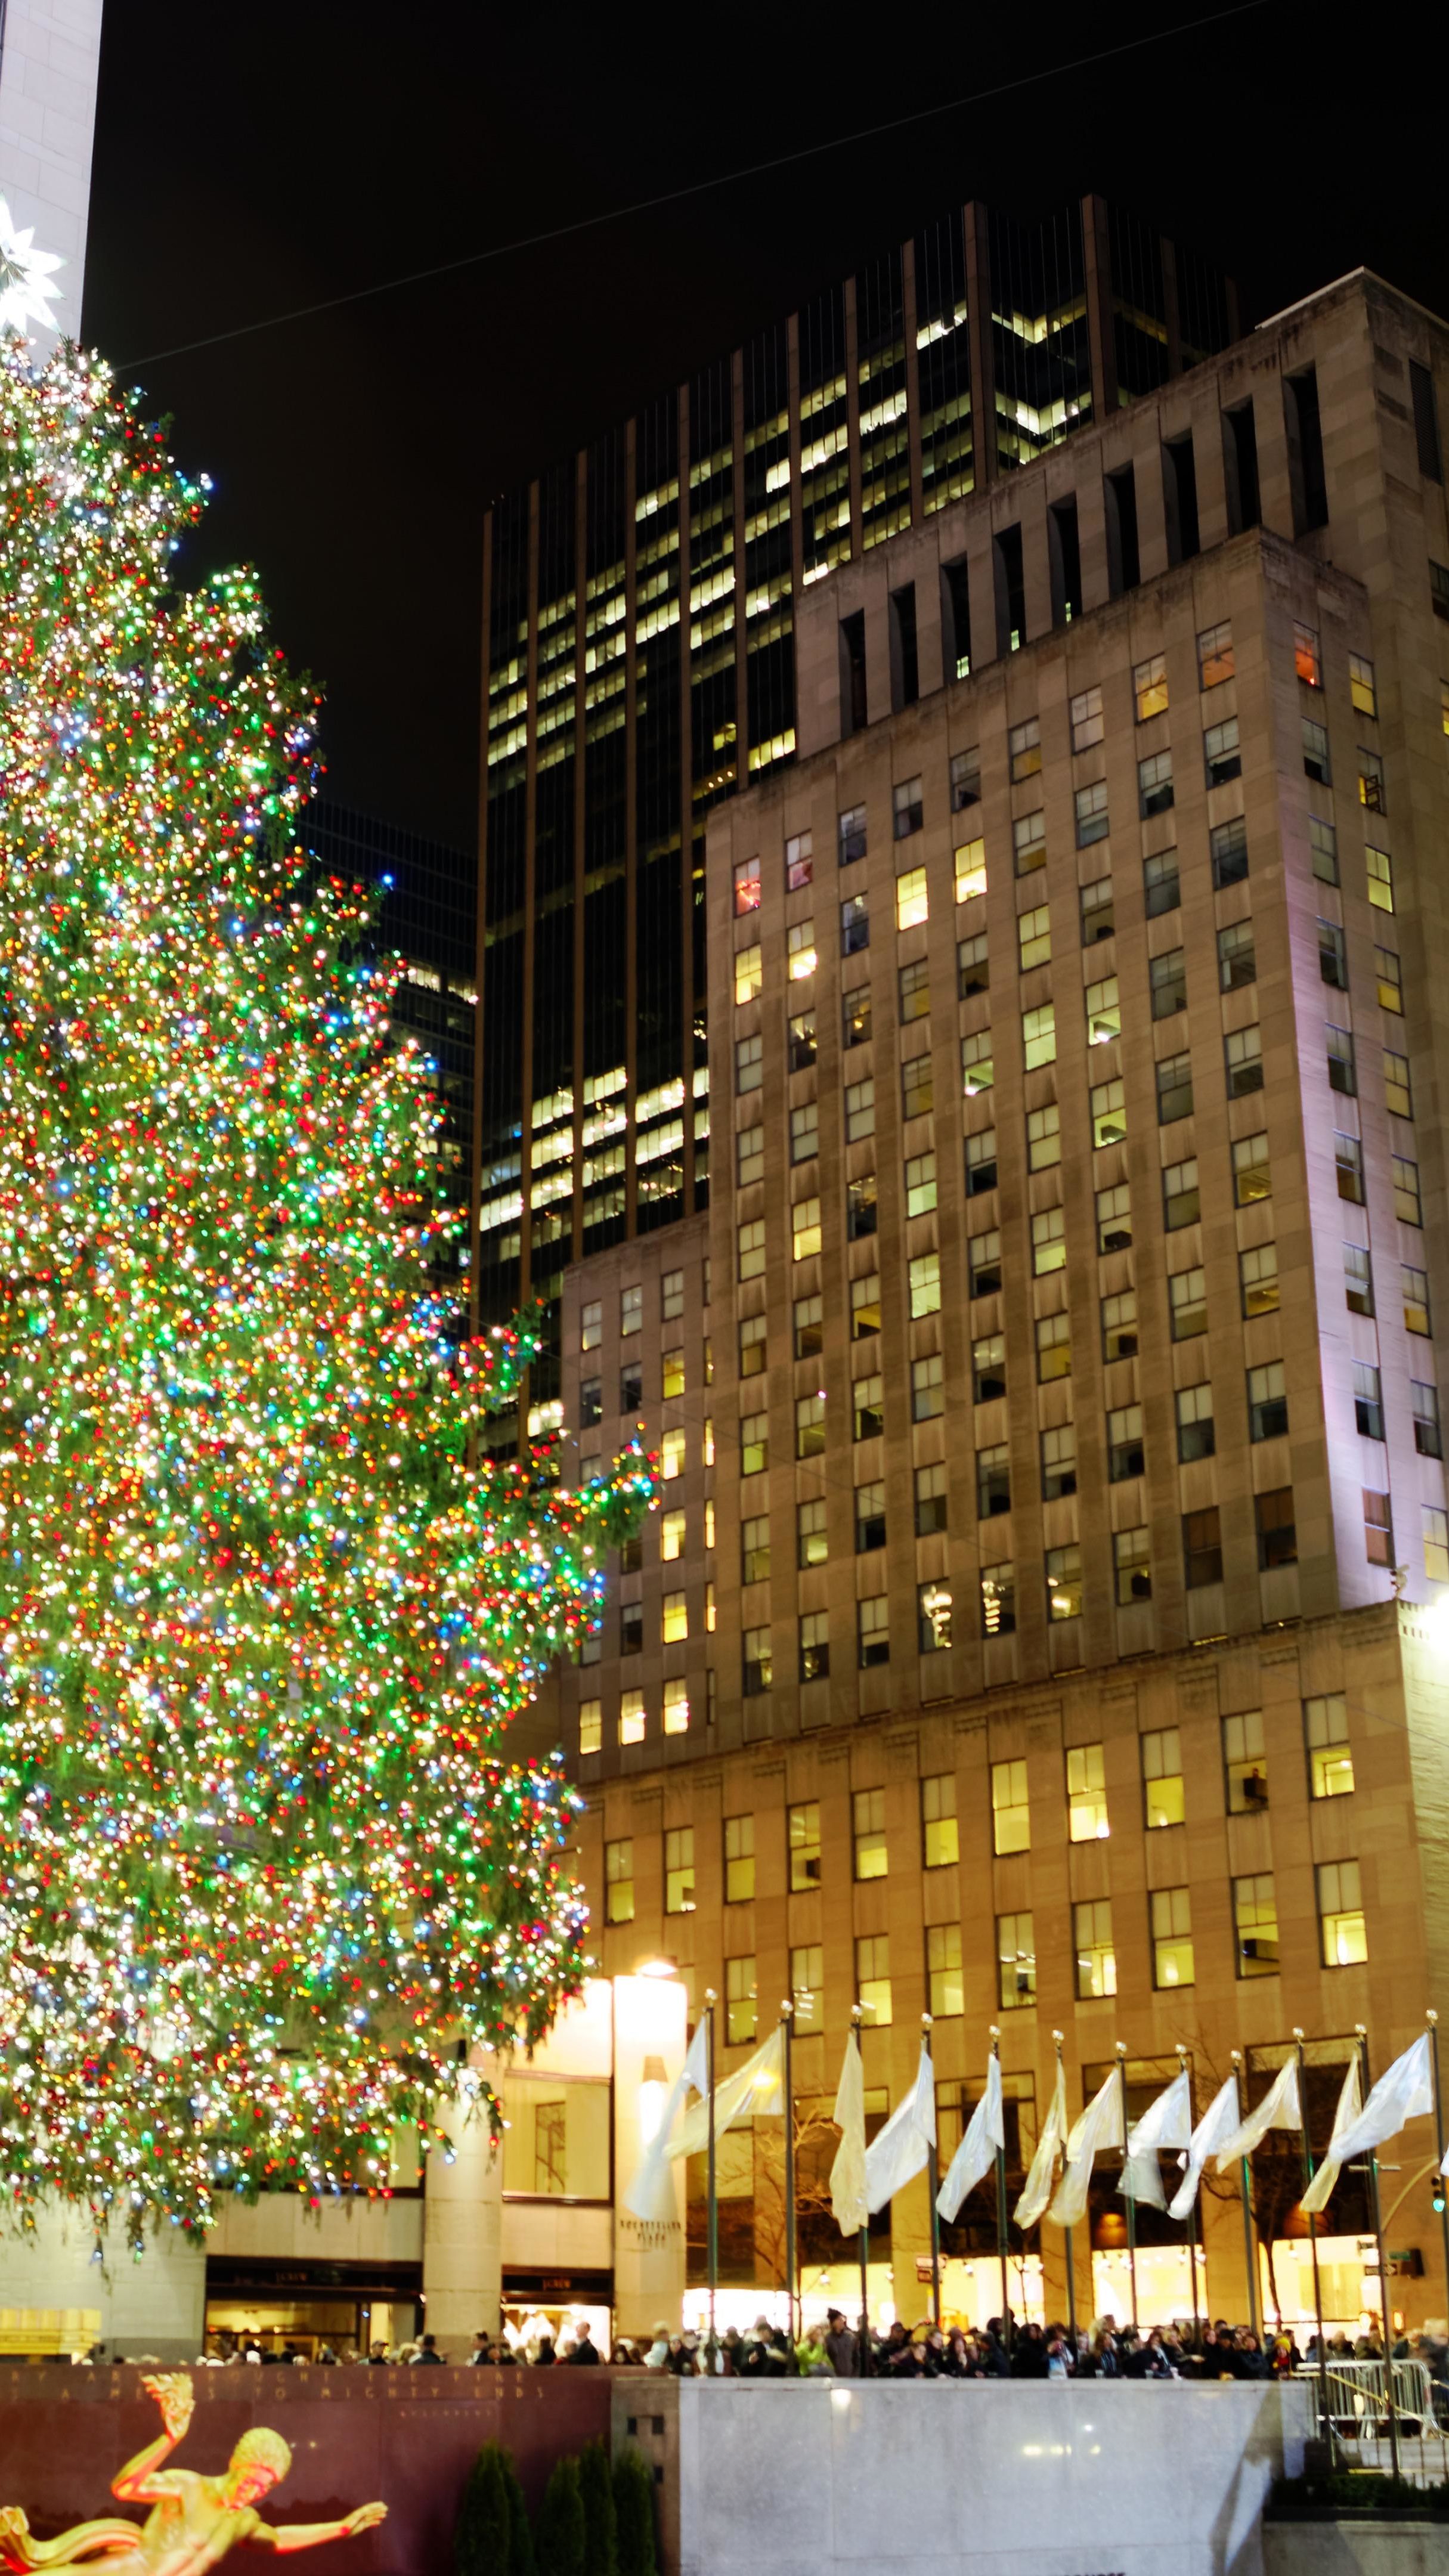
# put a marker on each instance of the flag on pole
(1167, 2122)
(1279, 2109)
(1345, 2118)
(1049, 2148)
(849, 2206)
(1404, 2091)
(651, 2193)
(985, 2132)
(903, 2148)
(756, 2091)
(1218, 2122)
(1100, 2125)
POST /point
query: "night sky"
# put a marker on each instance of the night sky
(252, 160)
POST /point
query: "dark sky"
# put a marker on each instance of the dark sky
(250, 160)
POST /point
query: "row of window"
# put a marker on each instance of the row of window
(1221, 756)
(631, 1309)
(1343, 1943)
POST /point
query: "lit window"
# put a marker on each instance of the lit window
(1149, 688)
(1246, 1763)
(800, 946)
(1048, 1241)
(809, 1425)
(815, 1646)
(1215, 655)
(939, 1831)
(672, 1372)
(739, 1859)
(1340, 1914)
(811, 1542)
(912, 903)
(804, 1837)
(1039, 1036)
(757, 1668)
(1024, 751)
(1408, 1207)
(869, 1833)
(1389, 975)
(1305, 656)
(749, 973)
(925, 1284)
(1380, 869)
(1087, 720)
(1414, 1285)
(1016, 1960)
(1108, 1105)
(1086, 1794)
(591, 1325)
(1044, 1139)
(741, 2015)
(865, 1307)
(970, 866)
(807, 1977)
(945, 1984)
(1252, 1175)
(679, 1870)
(755, 1548)
(1172, 1951)
(671, 1455)
(998, 1600)
(1361, 685)
(1104, 1011)
(799, 862)
(675, 1618)
(804, 1229)
(1258, 1277)
(1114, 1218)
(1034, 937)
(978, 1070)
(1064, 1582)
(1255, 1922)
(1010, 1812)
(855, 1017)
(619, 1882)
(1397, 1097)
(873, 1980)
(1096, 1956)
(591, 1726)
(917, 1087)
(747, 885)
(1330, 1762)
(1162, 1780)
(676, 1708)
(1436, 1543)
(920, 1184)
(751, 1243)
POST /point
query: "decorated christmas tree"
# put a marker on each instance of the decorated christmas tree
(266, 1604)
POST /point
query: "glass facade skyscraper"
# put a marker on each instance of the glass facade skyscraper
(640, 666)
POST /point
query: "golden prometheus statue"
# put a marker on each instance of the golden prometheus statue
(194, 2520)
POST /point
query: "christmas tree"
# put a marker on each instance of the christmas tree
(266, 1605)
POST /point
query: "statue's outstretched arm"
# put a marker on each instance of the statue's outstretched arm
(310, 2535)
(137, 2482)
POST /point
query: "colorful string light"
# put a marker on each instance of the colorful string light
(265, 1605)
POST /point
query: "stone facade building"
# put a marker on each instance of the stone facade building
(1041, 1624)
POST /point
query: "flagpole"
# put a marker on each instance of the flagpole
(1192, 2213)
(712, 2203)
(1246, 2186)
(1066, 2231)
(1433, 2022)
(787, 2023)
(933, 2177)
(862, 2349)
(1387, 2327)
(1006, 2327)
(1313, 2240)
(1129, 2197)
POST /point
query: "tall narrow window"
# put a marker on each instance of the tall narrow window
(1123, 563)
(852, 673)
(1065, 561)
(1240, 458)
(1010, 590)
(1306, 477)
(1179, 487)
(905, 664)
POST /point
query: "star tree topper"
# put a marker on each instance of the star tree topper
(27, 282)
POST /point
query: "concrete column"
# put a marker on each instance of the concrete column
(463, 2238)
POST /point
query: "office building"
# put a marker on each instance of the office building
(1043, 1624)
(49, 64)
(642, 606)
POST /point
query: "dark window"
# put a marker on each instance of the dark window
(1167, 978)
(1305, 452)
(1202, 1548)
(631, 1387)
(1426, 423)
(860, 1208)
(855, 1016)
(980, 1162)
(1439, 588)
(955, 619)
(851, 834)
(1123, 565)
(1368, 1401)
(1428, 1439)
(1332, 955)
(1267, 1402)
(1240, 458)
(1277, 1535)
(1010, 590)
(591, 1400)
(854, 925)
(1179, 491)
(905, 662)
(852, 673)
(1228, 847)
(631, 1628)
(1161, 888)
(1065, 554)
(1174, 1089)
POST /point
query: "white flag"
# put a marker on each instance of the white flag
(848, 2204)
(755, 2092)
(1350, 2102)
(651, 2193)
(1278, 2109)
(1218, 2122)
(904, 2145)
(975, 2156)
(1100, 2125)
(1167, 2122)
(1049, 2147)
(1404, 2091)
